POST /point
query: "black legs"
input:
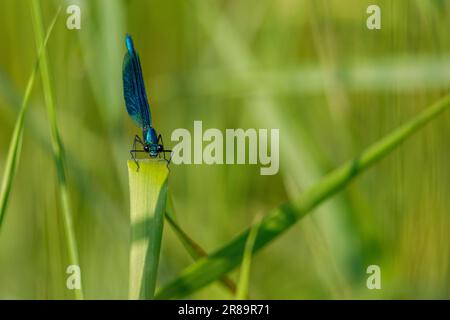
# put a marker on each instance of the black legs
(133, 151)
(163, 151)
(138, 140)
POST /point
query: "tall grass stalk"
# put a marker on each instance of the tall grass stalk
(13, 156)
(57, 146)
(279, 220)
(244, 277)
(148, 194)
(193, 248)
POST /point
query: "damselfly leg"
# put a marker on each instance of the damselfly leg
(134, 150)
(163, 151)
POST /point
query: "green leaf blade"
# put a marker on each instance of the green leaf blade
(244, 278)
(15, 146)
(148, 194)
(57, 146)
(193, 248)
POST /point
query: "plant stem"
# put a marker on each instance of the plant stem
(192, 247)
(15, 145)
(57, 146)
(244, 277)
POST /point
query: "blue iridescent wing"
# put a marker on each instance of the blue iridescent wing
(134, 88)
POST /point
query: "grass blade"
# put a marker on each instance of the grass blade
(244, 277)
(279, 220)
(57, 146)
(148, 194)
(13, 156)
(192, 247)
(139, 232)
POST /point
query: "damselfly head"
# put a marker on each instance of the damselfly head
(153, 150)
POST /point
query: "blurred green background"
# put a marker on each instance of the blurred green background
(310, 68)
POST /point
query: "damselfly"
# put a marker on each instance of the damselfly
(137, 105)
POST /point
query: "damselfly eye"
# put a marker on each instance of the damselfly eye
(146, 148)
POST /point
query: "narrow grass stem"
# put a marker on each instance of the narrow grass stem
(57, 146)
(15, 146)
(192, 247)
(244, 277)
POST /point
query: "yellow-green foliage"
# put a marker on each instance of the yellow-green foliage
(309, 67)
(148, 195)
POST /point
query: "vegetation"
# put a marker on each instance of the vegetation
(310, 68)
